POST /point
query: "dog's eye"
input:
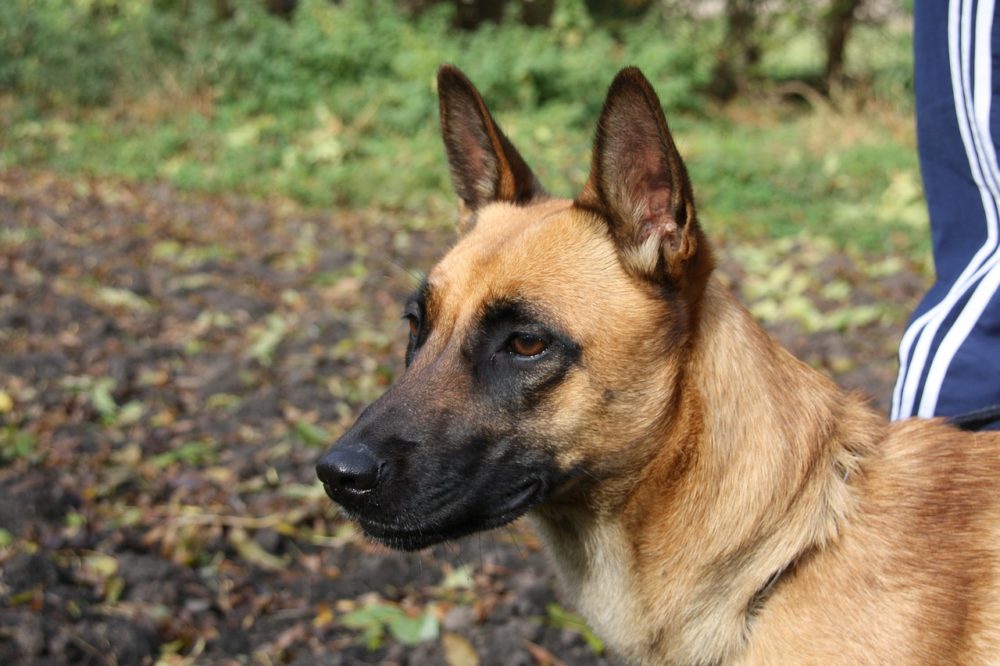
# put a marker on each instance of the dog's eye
(525, 344)
(414, 323)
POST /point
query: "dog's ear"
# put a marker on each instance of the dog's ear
(639, 184)
(485, 166)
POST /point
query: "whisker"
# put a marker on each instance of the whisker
(416, 276)
(516, 540)
(482, 560)
(493, 542)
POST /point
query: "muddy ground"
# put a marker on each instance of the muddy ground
(172, 365)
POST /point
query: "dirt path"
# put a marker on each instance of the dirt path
(171, 366)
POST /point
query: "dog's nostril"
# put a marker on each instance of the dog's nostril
(350, 468)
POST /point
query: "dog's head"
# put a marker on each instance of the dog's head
(547, 348)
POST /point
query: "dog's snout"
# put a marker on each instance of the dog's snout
(348, 469)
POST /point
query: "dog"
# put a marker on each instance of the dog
(705, 497)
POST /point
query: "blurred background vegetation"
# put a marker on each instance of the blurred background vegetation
(792, 114)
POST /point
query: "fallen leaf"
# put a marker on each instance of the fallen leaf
(458, 651)
(251, 551)
(6, 402)
(542, 656)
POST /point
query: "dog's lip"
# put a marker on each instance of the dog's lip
(521, 496)
(415, 536)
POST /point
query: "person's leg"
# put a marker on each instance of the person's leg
(950, 353)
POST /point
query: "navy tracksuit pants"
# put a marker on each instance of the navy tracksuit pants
(949, 355)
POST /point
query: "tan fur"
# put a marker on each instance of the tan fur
(715, 461)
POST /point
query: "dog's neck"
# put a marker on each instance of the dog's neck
(753, 473)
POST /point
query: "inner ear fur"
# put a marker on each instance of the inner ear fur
(639, 184)
(485, 166)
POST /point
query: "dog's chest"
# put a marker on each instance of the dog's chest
(595, 570)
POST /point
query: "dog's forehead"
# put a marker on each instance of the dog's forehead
(520, 249)
(549, 253)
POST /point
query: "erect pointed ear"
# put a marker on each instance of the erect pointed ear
(639, 184)
(485, 166)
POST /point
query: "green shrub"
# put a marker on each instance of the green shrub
(60, 54)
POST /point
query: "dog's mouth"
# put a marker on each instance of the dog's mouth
(410, 533)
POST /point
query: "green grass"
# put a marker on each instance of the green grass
(849, 178)
(337, 109)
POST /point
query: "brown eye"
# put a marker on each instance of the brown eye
(413, 321)
(526, 345)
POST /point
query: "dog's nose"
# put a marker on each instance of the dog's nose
(348, 469)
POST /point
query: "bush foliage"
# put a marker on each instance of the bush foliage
(306, 100)
(87, 52)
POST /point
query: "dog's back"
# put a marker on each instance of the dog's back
(913, 577)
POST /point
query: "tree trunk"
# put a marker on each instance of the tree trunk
(739, 52)
(469, 14)
(837, 23)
